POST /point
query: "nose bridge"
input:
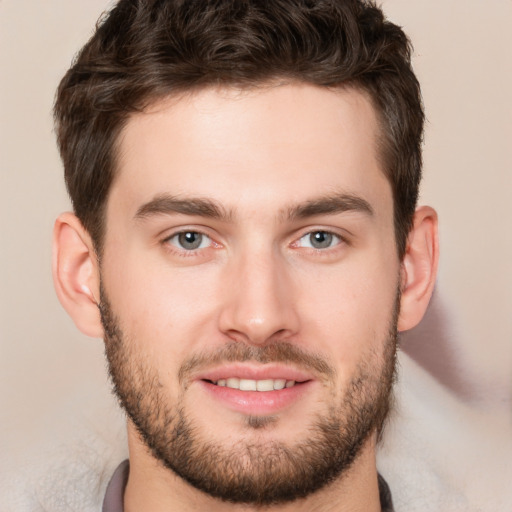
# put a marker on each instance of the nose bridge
(259, 305)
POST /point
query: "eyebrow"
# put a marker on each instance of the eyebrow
(167, 205)
(203, 207)
(330, 205)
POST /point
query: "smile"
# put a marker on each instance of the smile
(254, 389)
(255, 385)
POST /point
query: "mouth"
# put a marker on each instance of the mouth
(256, 390)
(263, 385)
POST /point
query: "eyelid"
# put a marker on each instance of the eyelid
(342, 236)
(165, 240)
(336, 240)
(176, 236)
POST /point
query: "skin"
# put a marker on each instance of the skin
(261, 156)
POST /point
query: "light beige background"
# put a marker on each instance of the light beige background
(463, 60)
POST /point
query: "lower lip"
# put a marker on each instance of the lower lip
(254, 403)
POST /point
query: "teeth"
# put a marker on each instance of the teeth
(279, 384)
(247, 385)
(265, 385)
(255, 385)
(233, 382)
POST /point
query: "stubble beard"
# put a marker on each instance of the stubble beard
(256, 472)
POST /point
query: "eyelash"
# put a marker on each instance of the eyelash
(331, 237)
(182, 252)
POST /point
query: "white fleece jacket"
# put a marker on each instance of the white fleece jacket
(438, 455)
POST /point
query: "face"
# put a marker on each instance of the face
(249, 287)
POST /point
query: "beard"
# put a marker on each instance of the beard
(257, 471)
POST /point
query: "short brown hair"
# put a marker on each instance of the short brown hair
(146, 49)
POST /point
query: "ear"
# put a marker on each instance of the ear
(419, 268)
(76, 274)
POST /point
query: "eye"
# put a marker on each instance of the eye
(319, 240)
(190, 240)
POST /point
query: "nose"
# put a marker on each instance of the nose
(259, 303)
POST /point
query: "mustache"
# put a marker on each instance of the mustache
(238, 352)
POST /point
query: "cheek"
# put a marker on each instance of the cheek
(163, 311)
(350, 310)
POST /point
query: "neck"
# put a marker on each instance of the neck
(153, 488)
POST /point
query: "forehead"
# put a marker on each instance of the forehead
(263, 147)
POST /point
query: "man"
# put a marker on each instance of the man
(245, 238)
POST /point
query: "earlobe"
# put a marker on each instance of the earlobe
(419, 268)
(76, 274)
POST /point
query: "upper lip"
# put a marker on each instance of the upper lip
(254, 372)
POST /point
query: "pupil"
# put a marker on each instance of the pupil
(190, 240)
(321, 239)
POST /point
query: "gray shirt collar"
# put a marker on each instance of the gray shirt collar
(113, 501)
